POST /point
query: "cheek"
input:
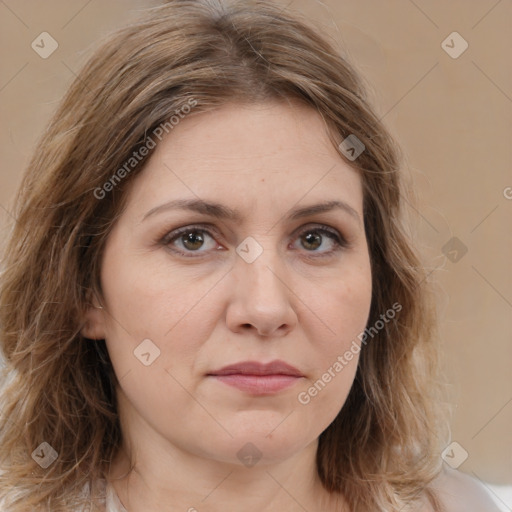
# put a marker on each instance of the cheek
(149, 295)
(166, 306)
(150, 300)
(342, 305)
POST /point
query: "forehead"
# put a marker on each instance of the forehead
(275, 153)
(270, 131)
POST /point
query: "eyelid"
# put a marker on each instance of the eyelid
(175, 233)
(323, 227)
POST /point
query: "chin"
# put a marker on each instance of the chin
(251, 448)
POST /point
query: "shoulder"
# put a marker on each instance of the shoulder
(459, 492)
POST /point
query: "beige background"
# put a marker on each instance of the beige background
(452, 117)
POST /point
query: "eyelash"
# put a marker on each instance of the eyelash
(339, 240)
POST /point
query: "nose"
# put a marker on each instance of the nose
(261, 298)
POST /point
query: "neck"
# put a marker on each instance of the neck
(190, 483)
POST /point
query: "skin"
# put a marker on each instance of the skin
(182, 430)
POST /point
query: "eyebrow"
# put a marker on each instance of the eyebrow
(220, 211)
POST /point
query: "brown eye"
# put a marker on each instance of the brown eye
(189, 240)
(192, 240)
(312, 239)
(195, 241)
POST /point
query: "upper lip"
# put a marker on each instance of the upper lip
(257, 368)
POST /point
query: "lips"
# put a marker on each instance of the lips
(256, 368)
(258, 378)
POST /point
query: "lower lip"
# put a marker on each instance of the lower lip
(258, 384)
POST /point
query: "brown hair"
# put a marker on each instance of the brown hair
(382, 450)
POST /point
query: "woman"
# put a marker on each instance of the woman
(208, 299)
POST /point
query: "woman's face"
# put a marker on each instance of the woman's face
(254, 278)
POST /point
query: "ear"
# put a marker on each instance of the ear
(94, 321)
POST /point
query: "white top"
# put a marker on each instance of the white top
(459, 493)
(112, 502)
(107, 496)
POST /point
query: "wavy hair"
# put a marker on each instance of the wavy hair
(382, 450)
